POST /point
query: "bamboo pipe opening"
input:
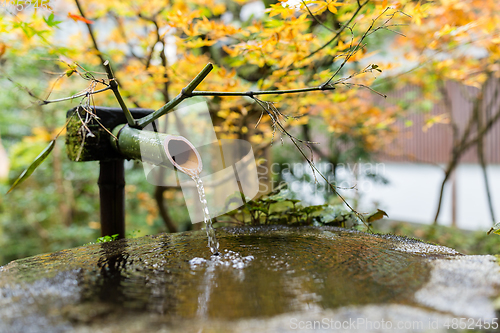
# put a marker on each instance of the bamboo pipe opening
(183, 155)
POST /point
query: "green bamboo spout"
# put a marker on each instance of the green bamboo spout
(157, 148)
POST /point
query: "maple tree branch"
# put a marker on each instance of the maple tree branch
(482, 162)
(96, 47)
(163, 57)
(307, 137)
(158, 38)
(339, 32)
(484, 130)
(349, 85)
(121, 30)
(20, 86)
(315, 18)
(360, 45)
(354, 49)
(448, 106)
(91, 31)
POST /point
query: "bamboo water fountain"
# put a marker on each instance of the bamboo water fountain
(125, 143)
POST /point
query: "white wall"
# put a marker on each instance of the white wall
(412, 194)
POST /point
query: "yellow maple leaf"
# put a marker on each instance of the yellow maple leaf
(332, 6)
(281, 8)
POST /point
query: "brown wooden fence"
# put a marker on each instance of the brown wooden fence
(434, 145)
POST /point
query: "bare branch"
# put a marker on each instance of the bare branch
(275, 115)
(339, 32)
(259, 92)
(87, 93)
(185, 93)
(20, 86)
(121, 30)
(98, 51)
(114, 86)
(353, 50)
(366, 87)
(158, 38)
(315, 18)
(91, 32)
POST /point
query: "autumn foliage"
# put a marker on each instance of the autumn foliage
(156, 47)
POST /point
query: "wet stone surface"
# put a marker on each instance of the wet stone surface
(265, 279)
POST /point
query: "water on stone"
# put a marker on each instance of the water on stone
(262, 279)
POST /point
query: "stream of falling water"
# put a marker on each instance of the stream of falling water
(213, 244)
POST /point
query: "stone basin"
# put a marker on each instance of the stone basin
(267, 279)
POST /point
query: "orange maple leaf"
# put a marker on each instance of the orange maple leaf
(3, 47)
(77, 18)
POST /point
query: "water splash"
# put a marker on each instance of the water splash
(227, 258)
(213, 244)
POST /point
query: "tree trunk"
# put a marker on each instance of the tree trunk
(159, 190)
(482, 162)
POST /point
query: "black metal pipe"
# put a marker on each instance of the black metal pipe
(112, 197)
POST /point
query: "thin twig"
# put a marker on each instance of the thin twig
(98, 51)
(91, 32)
(339, 32)
(185, 93)
(121, 30)
(315, 18)
(366, 87)
(311, 163)
(60, 76)
(20, 86)
(43, 102)
(158, 38)
(260, 92)
(114, 86)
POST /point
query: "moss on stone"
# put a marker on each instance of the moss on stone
(96, 147)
